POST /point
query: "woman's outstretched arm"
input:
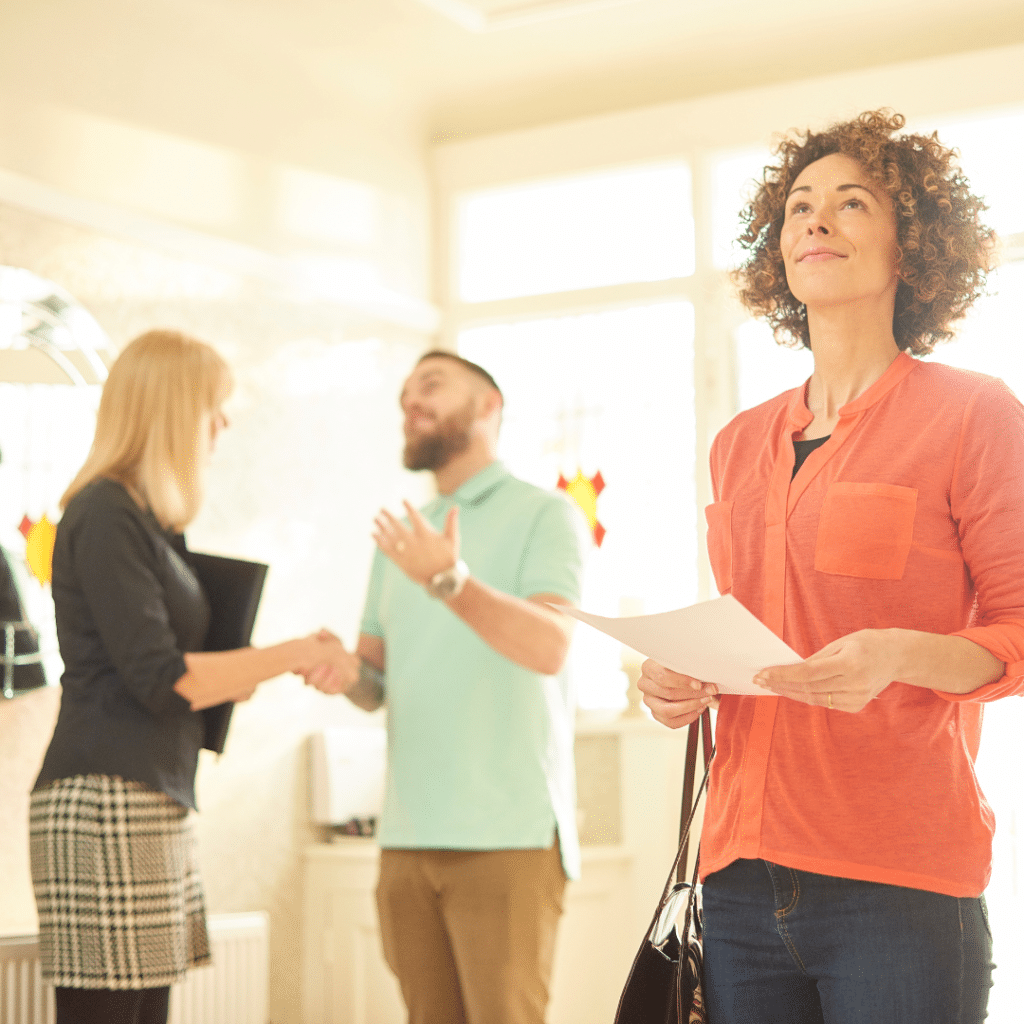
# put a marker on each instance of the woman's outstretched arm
(217, 676)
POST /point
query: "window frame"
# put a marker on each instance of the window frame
(707, 289)
(696, 132)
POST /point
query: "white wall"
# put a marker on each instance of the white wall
(312, 452)
(170, 171)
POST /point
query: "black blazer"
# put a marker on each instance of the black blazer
(127, 605)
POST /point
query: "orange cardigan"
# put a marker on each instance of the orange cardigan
(911, 515)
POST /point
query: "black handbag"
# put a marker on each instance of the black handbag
(665, 981)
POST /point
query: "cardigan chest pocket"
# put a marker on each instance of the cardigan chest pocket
(719, 517)
(866, 530)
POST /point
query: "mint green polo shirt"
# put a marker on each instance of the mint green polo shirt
(480, 750)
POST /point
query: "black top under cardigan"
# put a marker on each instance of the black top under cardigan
(127, 605)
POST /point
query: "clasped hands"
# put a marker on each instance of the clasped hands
(420, 552)
(328, 667)
(844, 676)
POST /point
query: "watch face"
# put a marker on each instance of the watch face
(448, 582)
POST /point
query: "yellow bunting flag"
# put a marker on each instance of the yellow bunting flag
(39, 538)
(584, 491)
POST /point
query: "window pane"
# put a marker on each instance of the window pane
(733, 178)
(580, 232)
(991, 155)
(765, 368)
(987, 339)
(612, 393)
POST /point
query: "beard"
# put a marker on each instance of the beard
(434, 450)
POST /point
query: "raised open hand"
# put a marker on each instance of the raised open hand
(416, 547)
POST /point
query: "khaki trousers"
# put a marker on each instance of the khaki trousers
(470, 934)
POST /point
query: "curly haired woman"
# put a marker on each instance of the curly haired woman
(874, 519)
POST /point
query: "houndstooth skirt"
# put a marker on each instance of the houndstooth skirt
(116, 882)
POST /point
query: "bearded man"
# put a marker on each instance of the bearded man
(478, 829)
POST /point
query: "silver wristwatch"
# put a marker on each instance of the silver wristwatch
(448, 583)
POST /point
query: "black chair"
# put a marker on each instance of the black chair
(20, 658)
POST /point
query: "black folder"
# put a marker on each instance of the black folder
(233, 587)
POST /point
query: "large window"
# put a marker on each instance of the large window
(579, 378)
(607, 392)
(600, 229)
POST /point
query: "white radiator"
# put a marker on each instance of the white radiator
(234, 990)
(24, 999)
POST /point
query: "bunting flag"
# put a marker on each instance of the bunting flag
(39, 538)
(584, 491)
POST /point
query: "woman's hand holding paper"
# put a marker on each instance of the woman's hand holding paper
(675, 700)
(847, 674)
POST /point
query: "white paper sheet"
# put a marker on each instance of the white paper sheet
(717, 641)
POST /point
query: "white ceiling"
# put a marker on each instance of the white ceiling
(495, 15)
(165, 62)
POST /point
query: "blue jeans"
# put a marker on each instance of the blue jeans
(790, 947)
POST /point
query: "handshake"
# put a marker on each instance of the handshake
(326, 665)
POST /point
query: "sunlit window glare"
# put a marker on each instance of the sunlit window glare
(991, 155)
(609, 392)
(733, 179)
(764, 368)
(627, 225)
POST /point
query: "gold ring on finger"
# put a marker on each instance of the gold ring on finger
(830, 701)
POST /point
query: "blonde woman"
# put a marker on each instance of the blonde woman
(121, 910)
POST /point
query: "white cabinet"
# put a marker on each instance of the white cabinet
(345, 979)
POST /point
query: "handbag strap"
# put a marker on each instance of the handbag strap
(637, 973)
(700, 731)
(676, 871)
(678, 864)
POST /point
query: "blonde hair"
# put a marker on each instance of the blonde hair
(149, 429)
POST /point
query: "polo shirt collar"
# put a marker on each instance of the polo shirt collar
(479, 486)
